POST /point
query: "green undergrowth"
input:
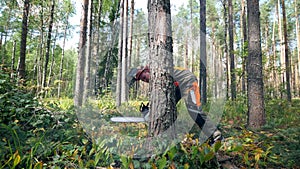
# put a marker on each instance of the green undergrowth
(276, 145)
(50, 134)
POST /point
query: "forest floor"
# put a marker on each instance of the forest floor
(48, 134)
(276, 145)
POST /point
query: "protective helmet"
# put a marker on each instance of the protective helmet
(131, 76)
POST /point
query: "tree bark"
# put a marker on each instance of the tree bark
(79, 87)
(282, 50)
(203, 57)
(44, 82)
(95, 81)
(87, 77)
(22, 65)
(130, 35)
(192, 36)
(231, 51)
(53, 60)
(120, 56)
(245, 45)
(274, 72)
(40, 56)
(256, 109)
(162, 98)
(13, 57)
(226, 49)
(61, 67)
(286, 54)
(124, 86)
(186, 56)
(298, 47)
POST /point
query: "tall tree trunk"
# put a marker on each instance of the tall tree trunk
(192, 36)
(120, 55)
(22, 65)
(124, 86)
(40, 56)
(298, 46)
(186, 56)
(88, 62)
(79, 88)
(130, 35)
(282, 60)
(53, 59)
(256, 109)
(47, 56)
(245, 46)
(13, 58)
(203, 57)
(226, 48)
(231, 51)
(162, 98)
(61, 67)
(286, 54)
(95, 81)
(274, 71)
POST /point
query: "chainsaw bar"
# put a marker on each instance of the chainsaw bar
(128, 119)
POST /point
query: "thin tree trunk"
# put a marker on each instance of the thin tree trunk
(124, 86)
(53, 59)
(120, 55)
(1, 39)
(231, 51)
(44, 83)
(40, 56)
(226, 49)
(95, 82)
(192, 36)
(245, 46)
(79, 87)
(3, 51)
(13, 57)
(282, 61)
(274, 71)
(203, 57)
(256, 109)
(298, 46)
(130, 35)
(22, 66)
(186, 56)
(87, 76)
(61, 67)
(286, 54)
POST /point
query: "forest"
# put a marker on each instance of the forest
(62, 82)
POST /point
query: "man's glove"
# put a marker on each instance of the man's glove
(144, 109)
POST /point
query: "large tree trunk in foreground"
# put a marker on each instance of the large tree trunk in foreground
(256, 109)
(162, 99)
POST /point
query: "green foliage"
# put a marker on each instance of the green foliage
(47, 134)
(236, 111)
(187, 154)
(31, 135)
